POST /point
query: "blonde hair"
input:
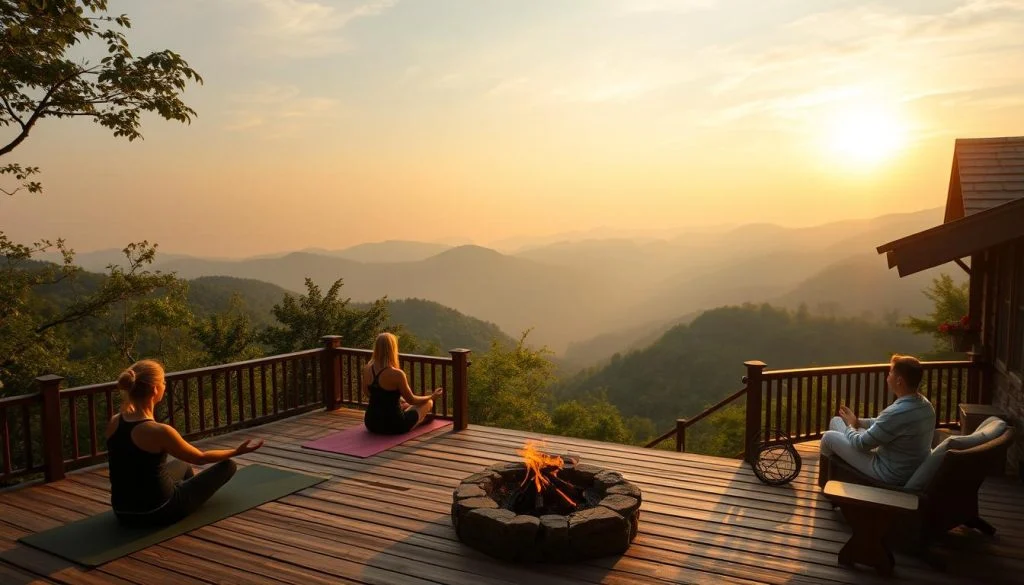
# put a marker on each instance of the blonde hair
(385, 351)
(139, 381)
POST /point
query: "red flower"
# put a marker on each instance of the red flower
(965, 321)
(944, 328)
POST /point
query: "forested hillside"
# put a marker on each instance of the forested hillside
(696, 364)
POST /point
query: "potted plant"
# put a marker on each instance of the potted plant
(961, 333)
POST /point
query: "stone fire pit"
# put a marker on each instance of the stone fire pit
(604, 524)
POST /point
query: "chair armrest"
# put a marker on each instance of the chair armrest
(842, 491)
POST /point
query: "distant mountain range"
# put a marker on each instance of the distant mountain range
(575, 291)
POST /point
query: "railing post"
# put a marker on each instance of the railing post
(460, 386)
(680, 434)
(53, 434)
(753, 387)
(330, 371)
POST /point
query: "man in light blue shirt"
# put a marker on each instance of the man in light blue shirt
(891, 447)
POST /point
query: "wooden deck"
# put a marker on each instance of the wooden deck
(385, 520)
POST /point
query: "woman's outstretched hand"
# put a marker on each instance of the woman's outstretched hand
(437, 392)
(246, 447)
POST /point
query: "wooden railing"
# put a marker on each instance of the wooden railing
(800, 403)
(54, 430)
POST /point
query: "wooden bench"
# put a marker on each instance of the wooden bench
(871, 513)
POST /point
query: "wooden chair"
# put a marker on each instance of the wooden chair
(949, 500)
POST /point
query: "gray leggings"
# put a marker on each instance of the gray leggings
(190, 491)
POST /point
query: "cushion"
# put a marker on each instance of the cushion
(928, 468)
(990, 429)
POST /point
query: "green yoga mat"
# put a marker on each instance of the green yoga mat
(99, 539)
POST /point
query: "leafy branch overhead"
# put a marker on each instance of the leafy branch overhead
(41, 78)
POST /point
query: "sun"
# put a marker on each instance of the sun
(867, 135)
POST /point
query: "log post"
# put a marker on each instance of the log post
(53, 434)
(460, 387)
(330, 371)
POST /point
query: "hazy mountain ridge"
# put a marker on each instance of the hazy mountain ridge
(575, 291)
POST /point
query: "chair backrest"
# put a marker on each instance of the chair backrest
(963, 470)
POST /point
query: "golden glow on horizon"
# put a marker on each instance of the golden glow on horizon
(868, 135)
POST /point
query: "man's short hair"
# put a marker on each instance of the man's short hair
(909, 368)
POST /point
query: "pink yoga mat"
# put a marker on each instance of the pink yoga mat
(359, 442)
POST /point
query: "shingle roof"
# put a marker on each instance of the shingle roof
(987, 172)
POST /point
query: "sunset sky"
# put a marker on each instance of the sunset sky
(332, 123)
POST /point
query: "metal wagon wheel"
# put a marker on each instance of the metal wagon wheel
(775, 461)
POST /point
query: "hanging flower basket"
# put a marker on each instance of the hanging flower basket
(961, 334)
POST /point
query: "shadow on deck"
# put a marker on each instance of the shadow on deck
(385, 520)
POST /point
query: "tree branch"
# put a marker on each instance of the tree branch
(38, 113)
(7, 106)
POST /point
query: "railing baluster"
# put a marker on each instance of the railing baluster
(26, 431)
(252, 392)
(444, 384)
(274, 387)
(5, 438)
(817, 402)
(778, 405)
(228, 402)
(799, 425)
(301, 382)
(240, 387)
(73, 419)
(186, 405)
(215, 400)
(93, 443)
(433, 384)
(170, 405)
(263, 388)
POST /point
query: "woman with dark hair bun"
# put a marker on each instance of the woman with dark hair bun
(145, 488)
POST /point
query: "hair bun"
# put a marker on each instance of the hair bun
(126, 381)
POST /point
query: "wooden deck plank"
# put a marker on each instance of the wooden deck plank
(385, 519)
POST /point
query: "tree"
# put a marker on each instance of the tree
(42, 300)
(509, 387)
(229, 336)
(952, 302)
(41, 80)
(595, 419)
(306, 318)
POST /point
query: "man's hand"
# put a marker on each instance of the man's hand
(848, 416)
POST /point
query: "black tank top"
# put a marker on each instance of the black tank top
(384, 413)
(138, 479)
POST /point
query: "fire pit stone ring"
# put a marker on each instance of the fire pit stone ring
(604, 522)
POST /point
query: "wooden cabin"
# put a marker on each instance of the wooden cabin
(983, 232)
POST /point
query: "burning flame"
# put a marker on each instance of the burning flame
(536, 461)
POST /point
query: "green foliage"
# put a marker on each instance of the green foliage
(952, 302)
(210, 295)
(697, 364)
(228, 336)
(720, 434)
(595, 418)
(41, 80)
(306, 318)
(508, 387)
(445, 327)
(48, 312)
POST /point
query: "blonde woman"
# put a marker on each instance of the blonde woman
(145, 488)
(386, 383)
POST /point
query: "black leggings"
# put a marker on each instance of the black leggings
(190, 491)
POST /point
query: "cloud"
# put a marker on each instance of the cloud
(886, 53)
(666, 6)
(278, 109)
(303, 28)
